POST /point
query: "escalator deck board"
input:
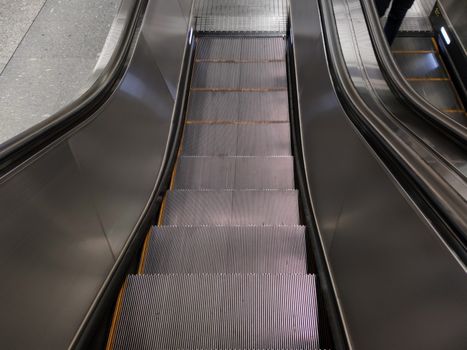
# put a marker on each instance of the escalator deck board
(276, 207)
(206, 173)
(223, 311)
(226, 249)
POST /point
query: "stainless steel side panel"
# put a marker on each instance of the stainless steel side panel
(66, 214)
(456, 11)
(165, 29)
(397, 283)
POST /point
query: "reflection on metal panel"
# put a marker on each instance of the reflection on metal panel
(53, 253)
(119, 163)
(165, 30)
(456, 13)
(186, 5)
(394, 277)
(67, 213)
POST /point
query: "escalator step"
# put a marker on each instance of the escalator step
(238, 106)
(231, 249)
(223, 311)
(240, 49)
(237, 140)
(256, 75)
(441, 94)
(207, 173)
(275, 207)
(425, 66)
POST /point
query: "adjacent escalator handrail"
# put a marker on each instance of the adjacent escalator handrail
(35, 138)
(399, 84)
(447, 202)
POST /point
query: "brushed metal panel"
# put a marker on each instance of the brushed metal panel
(59, 209)
(456, 11)
(165, 30)
(397, 283)
(53, 253)
(121, 152)
(185, 5)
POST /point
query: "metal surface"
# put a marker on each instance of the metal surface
(421, 66)
(413, 44)
(228, 76)
(456, 12)
(237, 140)
(442, 95)
(394, 276)
(234, 173)
(423, 143)
(240, 16)
(241, 48)
(230, 311)
(212, 248)
(165, 30)
(243, 106)
(395, 78)
(247, 207)
(233, 249)
(69, 210)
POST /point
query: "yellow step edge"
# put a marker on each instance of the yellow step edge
(160, 221)
(453, 110)
(426, 79)
(116, 317)
(412, 52)
(144, 252)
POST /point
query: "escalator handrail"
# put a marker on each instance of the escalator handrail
(445, 205)
(30, 141)
(399, 84)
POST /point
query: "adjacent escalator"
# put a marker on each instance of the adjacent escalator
(226, 266)
(422, 65)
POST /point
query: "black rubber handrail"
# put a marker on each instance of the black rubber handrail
(399, 84)
(30, 141)
(445, 207)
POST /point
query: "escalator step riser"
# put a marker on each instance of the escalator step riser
(237, 140)
(231, 208)
(236, 249)
(244, 49)
(238, 106)
(201, 173)
(230, 311)
(258, 75)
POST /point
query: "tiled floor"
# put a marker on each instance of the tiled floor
(48, 50)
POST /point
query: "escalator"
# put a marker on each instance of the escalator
(226, 266)
(420, 61)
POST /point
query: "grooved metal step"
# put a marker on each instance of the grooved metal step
(237, 140)
(240, 49)
(255, 75)
(226, 249)
(230, 311)
(422, 65)
(238, 106)
(277, 207)
(206, 173)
